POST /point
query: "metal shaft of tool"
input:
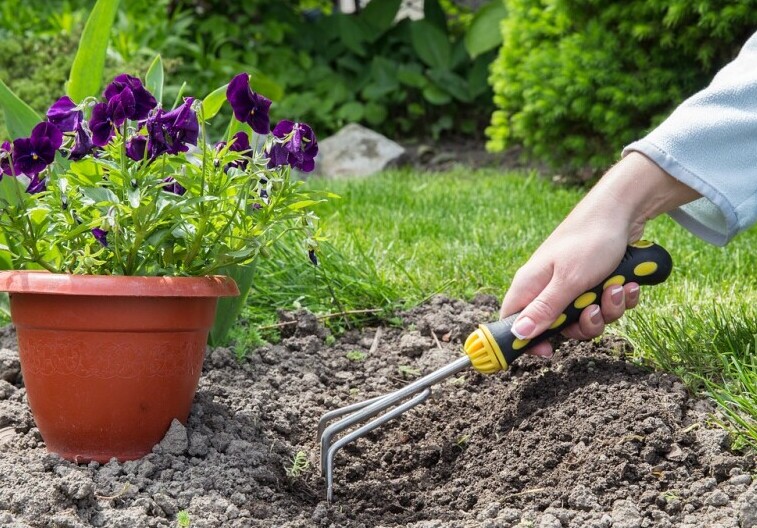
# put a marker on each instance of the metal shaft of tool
(367, 410)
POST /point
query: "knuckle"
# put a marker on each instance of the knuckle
(542, 308)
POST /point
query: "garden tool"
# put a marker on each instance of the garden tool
(489, 349)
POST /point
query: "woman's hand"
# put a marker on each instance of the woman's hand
(586, 247)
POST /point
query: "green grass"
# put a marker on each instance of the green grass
(399, 237)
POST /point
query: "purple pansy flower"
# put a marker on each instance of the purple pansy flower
(249, 107)
(36, 185)
(101, 124)
(313, 257)
(297, 146)
(181, 127)
(33, 154)
(157, 142)
(101, 235)
(128, 98)
(6, 161)
(174, 186)
(241, 144)
(172, 131)
(82, 143)
(120, 107)
(65, 114)
(135, 147)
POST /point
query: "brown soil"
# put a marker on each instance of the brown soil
(587, 439)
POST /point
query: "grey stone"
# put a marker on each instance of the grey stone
(356, 151)
(625, 514)
(10, 366)
(581, 497)
(175, 442)
(166, 503)
(748, 508)
(549, 521)
(716, 498)
(199, 444)
(413, 344)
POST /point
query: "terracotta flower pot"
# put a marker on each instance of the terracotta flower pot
(109, 361)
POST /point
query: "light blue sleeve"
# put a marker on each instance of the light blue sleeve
(710, 144)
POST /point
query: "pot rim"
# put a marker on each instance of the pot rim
(44, 282)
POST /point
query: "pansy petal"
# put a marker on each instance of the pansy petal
(64, 114)
(101, 125)
(49, 132)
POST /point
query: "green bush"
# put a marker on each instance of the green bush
(37, 51)
(412, 78)
(576, 80)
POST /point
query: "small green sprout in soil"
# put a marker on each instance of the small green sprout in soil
(300, 464)
(330, 340)
(409, 372)
(397, 322)
(458, 382)
(182, 519)
(462, 441)
(355, 355)
(670, 496)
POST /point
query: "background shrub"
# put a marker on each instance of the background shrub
(39, 39)
(576, 80)
(410, 78)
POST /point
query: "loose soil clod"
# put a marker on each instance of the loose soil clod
(584, 440)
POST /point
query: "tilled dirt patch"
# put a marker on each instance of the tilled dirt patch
(587, 439)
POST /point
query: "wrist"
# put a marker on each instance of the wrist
(638, 189)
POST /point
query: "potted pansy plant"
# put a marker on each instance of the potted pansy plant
(119, 216)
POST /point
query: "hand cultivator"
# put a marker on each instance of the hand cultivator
(491, 348)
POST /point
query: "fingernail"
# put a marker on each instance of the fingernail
(523, 328)
(616, 294)
(596, 315)
(633, 291)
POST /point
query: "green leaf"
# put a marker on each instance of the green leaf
(384, 72)
(87, 70)
(99, 195)
(304, 203)
(213, 102)
(434, 14)
(375, 113)
(452, 83)
(134, 197)
(351, 112)
(229, 307)
(266, 86)
(380, 14)
(412, 75)
(435, 95)
(5, 303)
(154, 78)
(478, 76)
(352, 33)
(10, 190)
(484, 33)
(431, 44)
(20, 119)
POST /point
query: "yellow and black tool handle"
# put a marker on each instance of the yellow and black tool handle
(493, 346)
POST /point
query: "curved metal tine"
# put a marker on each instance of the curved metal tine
(389, 400)
(341, 411)
(363, 430)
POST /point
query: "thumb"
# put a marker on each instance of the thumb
(543, 310)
